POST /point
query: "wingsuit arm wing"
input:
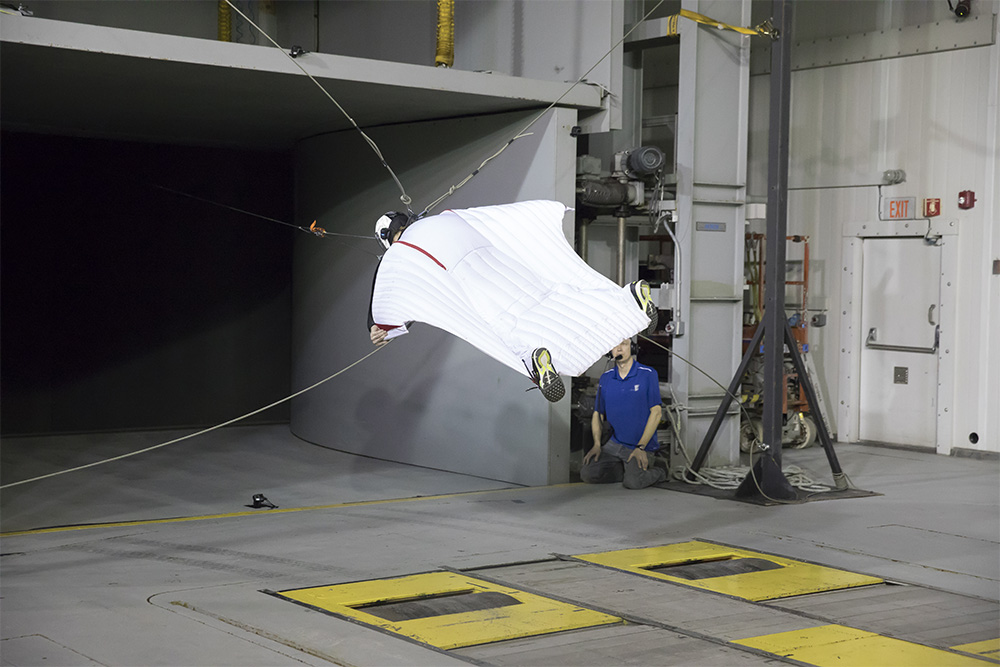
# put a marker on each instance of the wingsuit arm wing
(371, 298)
(392, 331)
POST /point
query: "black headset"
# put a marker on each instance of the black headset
(633, 349)
(399, 221)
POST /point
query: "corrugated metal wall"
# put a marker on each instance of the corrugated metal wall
(933, 116)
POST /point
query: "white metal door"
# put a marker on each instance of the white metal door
(899, 357)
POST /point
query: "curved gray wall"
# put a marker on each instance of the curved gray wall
(428, 398)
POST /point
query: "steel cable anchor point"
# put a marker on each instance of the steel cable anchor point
(767, 29)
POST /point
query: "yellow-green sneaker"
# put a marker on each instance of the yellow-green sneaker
(545, 376)
(640, 291)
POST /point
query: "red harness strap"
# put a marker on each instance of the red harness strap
(433, 258)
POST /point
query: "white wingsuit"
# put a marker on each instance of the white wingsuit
(504, 279)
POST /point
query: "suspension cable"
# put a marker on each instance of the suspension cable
(192, 435)
(403, 197)
(311, 229)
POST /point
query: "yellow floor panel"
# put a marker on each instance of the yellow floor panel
(829, 645)
(526, 615)
(989, 648)
(790, 578)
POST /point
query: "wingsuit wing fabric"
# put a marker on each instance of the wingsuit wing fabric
(505, 279)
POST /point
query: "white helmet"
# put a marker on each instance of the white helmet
(387, 226)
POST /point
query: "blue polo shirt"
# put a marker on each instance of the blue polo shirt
(626, 401)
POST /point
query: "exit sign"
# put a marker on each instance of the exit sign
(899, 208)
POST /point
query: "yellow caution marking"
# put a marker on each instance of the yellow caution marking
(524, 615)
(234, 515)
(988, 649)
(829, 645)
(787, 578)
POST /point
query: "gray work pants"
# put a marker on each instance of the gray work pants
(613, 466)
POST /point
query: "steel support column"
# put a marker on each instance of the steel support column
(766, 477)
(712, 122)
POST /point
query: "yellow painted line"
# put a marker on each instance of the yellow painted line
(838, 645)
(791, 578)
(233, 515)
(989, 648)
(534, 615)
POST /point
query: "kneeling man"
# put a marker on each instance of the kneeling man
(628, 398)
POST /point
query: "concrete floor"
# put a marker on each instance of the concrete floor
(187, 592)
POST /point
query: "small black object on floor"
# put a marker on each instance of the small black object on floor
(260, 501)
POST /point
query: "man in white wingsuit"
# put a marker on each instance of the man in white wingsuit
(504, 279)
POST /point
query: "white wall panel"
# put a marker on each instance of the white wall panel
(930, 116)
(833, 127)
(822, 19)
(989, 386)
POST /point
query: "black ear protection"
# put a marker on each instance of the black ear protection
(398, 221)
(632, 346)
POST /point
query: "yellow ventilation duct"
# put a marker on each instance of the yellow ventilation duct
(445, 56)
(225, 22)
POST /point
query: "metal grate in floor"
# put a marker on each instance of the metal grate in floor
(448, 610)
(744, 574)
